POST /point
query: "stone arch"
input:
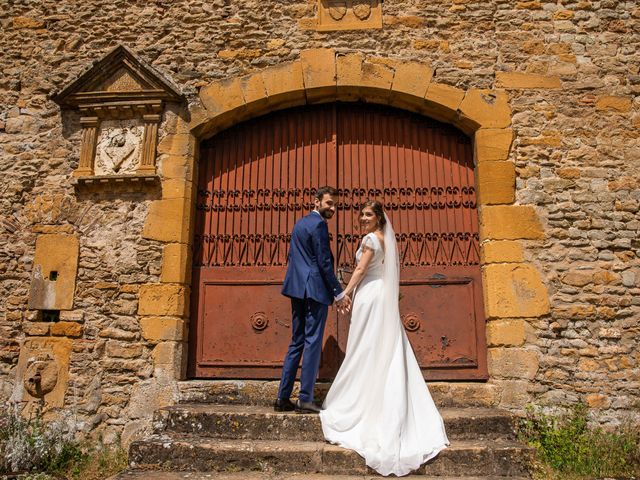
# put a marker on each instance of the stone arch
(513, 289)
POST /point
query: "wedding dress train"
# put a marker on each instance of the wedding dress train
(379, 404)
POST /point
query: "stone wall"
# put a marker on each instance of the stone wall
(568, 70)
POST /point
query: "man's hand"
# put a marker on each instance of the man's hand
(344, 305)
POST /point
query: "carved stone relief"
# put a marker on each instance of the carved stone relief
(118, 147)
(349, 14)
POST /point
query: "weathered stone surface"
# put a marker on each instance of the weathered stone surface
(513, 363)
(252, 422)
(502, 251)
(496, 183)
(55, 265)
(168, 221)
(509, 223)
(493, 145)
(163, 299)
(506, 333)
(514, 290)
(155, 329)
(319, 73)
(525, 81)
(66, 329)
(574, 151)
(501, 457)
(176, 263)
(485, 109)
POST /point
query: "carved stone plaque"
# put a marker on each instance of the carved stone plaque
(118, 147)
(349, 14)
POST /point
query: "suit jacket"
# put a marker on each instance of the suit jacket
(310, 264)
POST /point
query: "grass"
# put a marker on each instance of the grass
(47, 451)
(568, 447)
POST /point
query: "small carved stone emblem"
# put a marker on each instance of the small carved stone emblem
(337, 10)
(41, 375)
(362, 9)
(118, 147)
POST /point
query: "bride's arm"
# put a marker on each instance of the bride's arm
(360, 271)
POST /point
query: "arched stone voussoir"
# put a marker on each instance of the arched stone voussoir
(484, 109)
(324, 75)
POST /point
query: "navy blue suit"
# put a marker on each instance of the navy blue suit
(311, 284)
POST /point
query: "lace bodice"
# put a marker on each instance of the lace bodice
(376, 266)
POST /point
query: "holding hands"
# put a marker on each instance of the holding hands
(344, 305)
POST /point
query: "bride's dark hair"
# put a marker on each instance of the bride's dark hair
(376, 206)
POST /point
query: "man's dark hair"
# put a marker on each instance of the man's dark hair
(322, 191)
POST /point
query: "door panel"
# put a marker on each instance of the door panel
(258, 178)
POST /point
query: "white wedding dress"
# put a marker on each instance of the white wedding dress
(379, 404)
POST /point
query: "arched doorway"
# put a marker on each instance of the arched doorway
(257, 178)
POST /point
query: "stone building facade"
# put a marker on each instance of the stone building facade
(548, 92)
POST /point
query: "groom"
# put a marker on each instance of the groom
(312, 286)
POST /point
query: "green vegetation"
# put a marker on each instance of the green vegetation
(48, 451)
(569, 448)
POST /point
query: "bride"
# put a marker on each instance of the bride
(379, 404)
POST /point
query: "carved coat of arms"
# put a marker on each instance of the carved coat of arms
(118, 148)
(337, 10)
(362, 9)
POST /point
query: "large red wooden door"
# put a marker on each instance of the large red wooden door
(258, 178)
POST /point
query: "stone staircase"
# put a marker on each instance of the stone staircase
(232, 435)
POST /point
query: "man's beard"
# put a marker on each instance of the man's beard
(326, 214)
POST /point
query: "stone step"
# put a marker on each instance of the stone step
(154, 475)
(190, 453)
(259, 422)
(264, 392)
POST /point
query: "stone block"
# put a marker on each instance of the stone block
(176, 188)
(170, 358)
(168, 221)
(156, 329)
(411, 79)
(50, 358)
(36, 328)
(349, 75)
(493, 145)
(496, 183)
(514, 291)
(55, 266)
(222, 96)
(253, 90)
(179, 144)
(511, 333)
(517, 363)
(484, 109)
(597, 400)
(176, 167)
(501, 251)
(284, 85)
(376, 81)
(176, 263)
(526, 81)
(123, 349)
(512, 222)
(319, 73)
(163, 299)
(619, 104)
(66, 329)
(442, 101)
(515, 393)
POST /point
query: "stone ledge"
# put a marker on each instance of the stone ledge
(117, 183)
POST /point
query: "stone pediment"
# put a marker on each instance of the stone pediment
(120, 76)
(121, 100)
